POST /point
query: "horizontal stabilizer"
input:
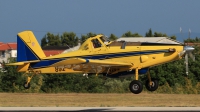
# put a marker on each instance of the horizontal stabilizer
(18, 63)
(22, 63)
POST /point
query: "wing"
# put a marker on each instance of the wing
(90, 65)
(76, 61)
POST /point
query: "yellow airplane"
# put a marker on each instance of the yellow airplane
(97, 55)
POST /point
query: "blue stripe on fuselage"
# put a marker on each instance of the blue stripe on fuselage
(126, 54)
(45, 63)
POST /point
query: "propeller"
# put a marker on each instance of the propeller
(188, 51)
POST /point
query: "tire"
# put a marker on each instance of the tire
(153, 87)
(136, 87)
(27, 86)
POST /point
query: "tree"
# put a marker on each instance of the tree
(130, 34)
(69, 39)
(53, 40)
(11, 80)
(44, 41)
(85, 37)
(173, 37)
(149, 33)
(156, 34)
(112, 37)
(196, 40)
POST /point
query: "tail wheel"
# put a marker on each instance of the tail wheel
(152, 87)
(27, 86)
(136, 87)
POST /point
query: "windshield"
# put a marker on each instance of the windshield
(105, 40)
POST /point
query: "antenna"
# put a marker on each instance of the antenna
(67, 50)
(68, 46)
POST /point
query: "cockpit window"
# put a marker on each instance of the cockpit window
(96, 43)
(105, 40)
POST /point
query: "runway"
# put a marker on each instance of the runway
(100, 109)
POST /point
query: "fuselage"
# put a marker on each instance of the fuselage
(139, 54)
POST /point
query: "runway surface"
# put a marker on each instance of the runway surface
(100, 109)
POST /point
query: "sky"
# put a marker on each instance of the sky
(97, 16)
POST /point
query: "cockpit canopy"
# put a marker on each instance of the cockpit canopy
(95, 42)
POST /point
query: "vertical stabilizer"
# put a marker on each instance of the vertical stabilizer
(28, 48)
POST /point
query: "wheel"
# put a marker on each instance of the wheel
(136, 87)
(27, 86)
(154, 85)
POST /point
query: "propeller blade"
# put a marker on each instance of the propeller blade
(191, 56)
(186, 63)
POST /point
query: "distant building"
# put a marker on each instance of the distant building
(7, 50)
(54, 50)
(149, 39)
(192, 44)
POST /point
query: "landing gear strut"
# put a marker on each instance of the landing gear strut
(136, 86)
(151, 84)
(27, 84)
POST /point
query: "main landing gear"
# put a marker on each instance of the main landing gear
(27, 85)
(136, 86)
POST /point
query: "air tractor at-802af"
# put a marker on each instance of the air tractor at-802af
(98, 55)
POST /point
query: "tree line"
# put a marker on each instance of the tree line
(70, 39)
(172, 77)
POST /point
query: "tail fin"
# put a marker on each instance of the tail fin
(28, 48)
